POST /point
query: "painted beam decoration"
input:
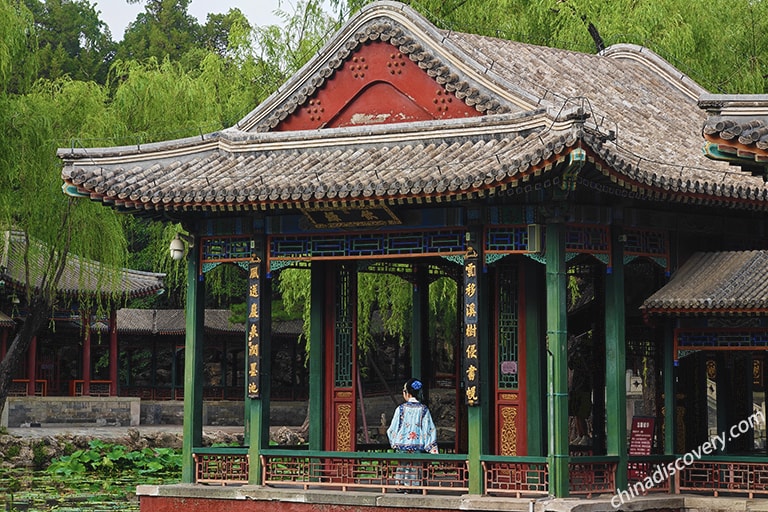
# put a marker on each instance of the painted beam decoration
(470, 361)
(253, 326)
(351, 217)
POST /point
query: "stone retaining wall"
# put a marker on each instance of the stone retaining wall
(76, 410)
(130, 411)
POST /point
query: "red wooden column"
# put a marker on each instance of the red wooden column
(31, 366)
(113, 353)
(341, 365)
(509, 389)
(86, 355)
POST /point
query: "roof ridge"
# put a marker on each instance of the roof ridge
(658, 64)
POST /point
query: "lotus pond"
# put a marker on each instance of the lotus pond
(101, 478)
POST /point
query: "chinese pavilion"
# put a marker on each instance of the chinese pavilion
(609, 272)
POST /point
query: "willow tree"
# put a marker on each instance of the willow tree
(35, 117)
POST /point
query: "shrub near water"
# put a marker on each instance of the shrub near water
(108, 459)
(101, 478)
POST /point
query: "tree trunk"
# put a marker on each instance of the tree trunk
(37, 317)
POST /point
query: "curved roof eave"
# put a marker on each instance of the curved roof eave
(364, 165)
(80, 275)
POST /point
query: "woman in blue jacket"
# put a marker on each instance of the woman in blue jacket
(412, 431)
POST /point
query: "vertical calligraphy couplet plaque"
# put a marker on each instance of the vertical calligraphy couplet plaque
(470, 357)
(253, 328)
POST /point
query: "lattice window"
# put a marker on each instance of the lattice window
(366, 245)
(344, 328)
(226, 249)
(645, 242)
(508, 328)
(721, 339)
(506, 239)
(587, 239)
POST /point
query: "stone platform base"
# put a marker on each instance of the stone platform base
(249, 498)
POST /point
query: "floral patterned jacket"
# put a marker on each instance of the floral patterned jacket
(412, 428)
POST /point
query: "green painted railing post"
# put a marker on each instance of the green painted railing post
(316, 350)
(193, 365)
(557, 358)
(616, 360)
(532, 283)
(475, 449)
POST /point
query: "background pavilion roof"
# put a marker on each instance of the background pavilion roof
(6, 321)
(729, 282)
(80, 275)
(170, 322)
(635, 115)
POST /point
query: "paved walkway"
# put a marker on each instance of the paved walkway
(106, 432)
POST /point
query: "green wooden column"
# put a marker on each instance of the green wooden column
(478, 415)
(669, 392)
(316, 349)
(257, 407)
(534, 363)
(193, 367)
(557, 358)
(616, 360)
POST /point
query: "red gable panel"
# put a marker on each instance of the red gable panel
(376, 85)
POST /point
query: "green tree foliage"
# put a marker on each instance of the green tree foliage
(282, 50)
(16, 27)
(164, 30)
(294, 287)
(223, 33)
(389, 297)
(31, 200)
(71, 40)
(156, 101)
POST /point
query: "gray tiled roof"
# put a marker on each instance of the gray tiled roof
(173, 322)
(635, 115)
(726, 282)
(80, 275)
(6, 321)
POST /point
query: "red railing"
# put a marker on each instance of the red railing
(415, 473)
(639, 468)
(221, 465)
(97, 388)
(727, 475)
(503, 476)
(18, 387)
(525, 476)
(592, 475)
